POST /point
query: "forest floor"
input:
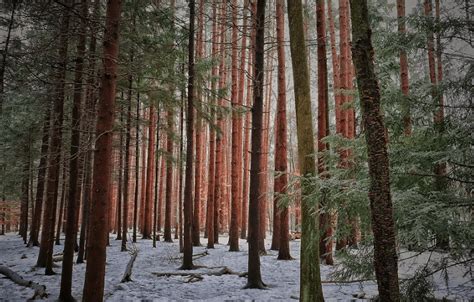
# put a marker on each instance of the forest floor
(281, 277)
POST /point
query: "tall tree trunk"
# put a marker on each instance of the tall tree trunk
(212, 137)
(442, 240)
(254, 276)
(155, 185)
(147, 225)
(280, 225)
(62, 201)
(75, 161)
(169, 178)
(3, 67)
(236, 141)
(199, 138)
(188, 185)
(141, 220)
(325, 243)
(404, 85)
(220, 139)
(310, 280)
(45, 256)
(385, 254)
(96, 244)
(137, 169)
(118, 218)
(243, 169)
(25, 191)
(40, 184)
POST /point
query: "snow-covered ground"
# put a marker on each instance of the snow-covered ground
(282, 277)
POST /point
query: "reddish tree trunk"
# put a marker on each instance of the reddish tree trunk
(96, 244)
(325, 244)
(169, 179)
(147, 225)
(236, 156)
(280, 224)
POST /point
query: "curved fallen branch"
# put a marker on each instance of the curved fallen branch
(127, 276)
(40, 290)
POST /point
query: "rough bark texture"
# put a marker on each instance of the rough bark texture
(169, 179)
(385, 255)
(137, 170)
(254, 276)
(96, 244)
(126, 170)
(404, 68)
(281, 223)
(212, 139)
(188, 185)
(236, 141)
(45, 257)
(325, 248)
(147, 224)
(36, 219)
(75, 163)
(310, 280)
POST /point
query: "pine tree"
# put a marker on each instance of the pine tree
(385, 254)
(310, 280)
(95, 269)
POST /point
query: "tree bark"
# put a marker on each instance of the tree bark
(325, 243)
(280, 225)
(212, 137)
(137, 170)
(188, 185)
(385, 254)
(147, 225)
(75, 163)
(40, 185)
(254, 275)
(169, 178)
(45, 256)
(236, 166)
(310, 280)
(96, 245)
(404, 85)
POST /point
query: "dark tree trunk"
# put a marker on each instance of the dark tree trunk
(96, 244)
(137, 170)
(64, 196)
(310, 280)
(118, 217)
(385, 254)
(74, 164)
(36, 219)
(169, 179)
(188, 185)
(212, 138)
(3, 67)
(325, 243)
(25, 191)
(45, 257)
(254, 275)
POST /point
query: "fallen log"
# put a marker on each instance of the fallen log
(198, 275)
(40, 290)
(127, 276)
(195, 256)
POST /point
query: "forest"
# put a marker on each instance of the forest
(237, 150)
